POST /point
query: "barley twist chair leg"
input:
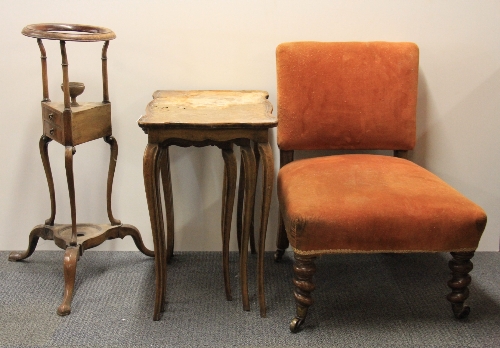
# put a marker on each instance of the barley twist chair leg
(460, 267)
(304, 269)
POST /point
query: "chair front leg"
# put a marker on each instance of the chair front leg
(304, 269)
(460, 267)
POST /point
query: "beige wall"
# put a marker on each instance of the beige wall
(222, 44)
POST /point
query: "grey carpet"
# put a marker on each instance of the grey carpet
(361, 301)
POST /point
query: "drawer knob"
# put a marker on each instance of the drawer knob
(51, 116)
(51, 131)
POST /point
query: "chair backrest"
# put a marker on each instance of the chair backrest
(347, 95)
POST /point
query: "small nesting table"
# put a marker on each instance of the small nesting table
(209, 118)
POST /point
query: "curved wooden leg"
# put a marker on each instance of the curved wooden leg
(460, 267)
(250, 181)
(132, 231)
(71, 257)
(267, 189)
(169, 203)
(229, 188)
(37, 232)
(161, 235)
(253, 249)
(304, 269)
(151, 177)
(43, 144)
(282, 240)
(239, 205)
(241, 195)
(113, 157)
(68, 154)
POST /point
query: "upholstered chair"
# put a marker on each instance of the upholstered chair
(361, 96)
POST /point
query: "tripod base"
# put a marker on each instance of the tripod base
(88, 236)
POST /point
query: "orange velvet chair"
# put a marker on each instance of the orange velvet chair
(361, 96)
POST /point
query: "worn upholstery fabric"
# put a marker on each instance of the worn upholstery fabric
(373, 203)
(361, 95)
(326, 101)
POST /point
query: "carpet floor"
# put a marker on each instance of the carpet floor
(380, 300)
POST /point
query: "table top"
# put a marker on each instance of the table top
(209, 109)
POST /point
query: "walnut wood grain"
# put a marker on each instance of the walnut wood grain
(104, 65)
(241, 196)
(36, 233)
(209, 109)
(266, 155)
(69, 152)
(71, 257)
(168, 196)
(88, 236)
(45, 81)
(209, 118)
(70, 124)
(151, 184)
(44, 154)
(113, 157)
(248, 158)
(228, 193)
(83, 123)
(256, 152)
(65, 87)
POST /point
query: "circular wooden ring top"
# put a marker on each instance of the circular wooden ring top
(68, 32)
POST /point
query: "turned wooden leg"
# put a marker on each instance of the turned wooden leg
(460, 267)
(69, 152)
(282, 240)
(267, 188)
(169, 202)
(111, 173)
(71, 257)
(37, 232)
(250, 182)
(304, 269)
(229, 188)
(43, 144)
(151, 184)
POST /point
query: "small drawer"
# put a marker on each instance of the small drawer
(53, 131)
(52, 116)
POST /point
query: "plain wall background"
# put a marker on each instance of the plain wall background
(230, 44)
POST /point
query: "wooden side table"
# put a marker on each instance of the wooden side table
(70, 123)
(203, 118)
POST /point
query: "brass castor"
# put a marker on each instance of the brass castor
(296, 324)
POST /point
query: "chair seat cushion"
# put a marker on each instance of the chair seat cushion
(373, 203)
